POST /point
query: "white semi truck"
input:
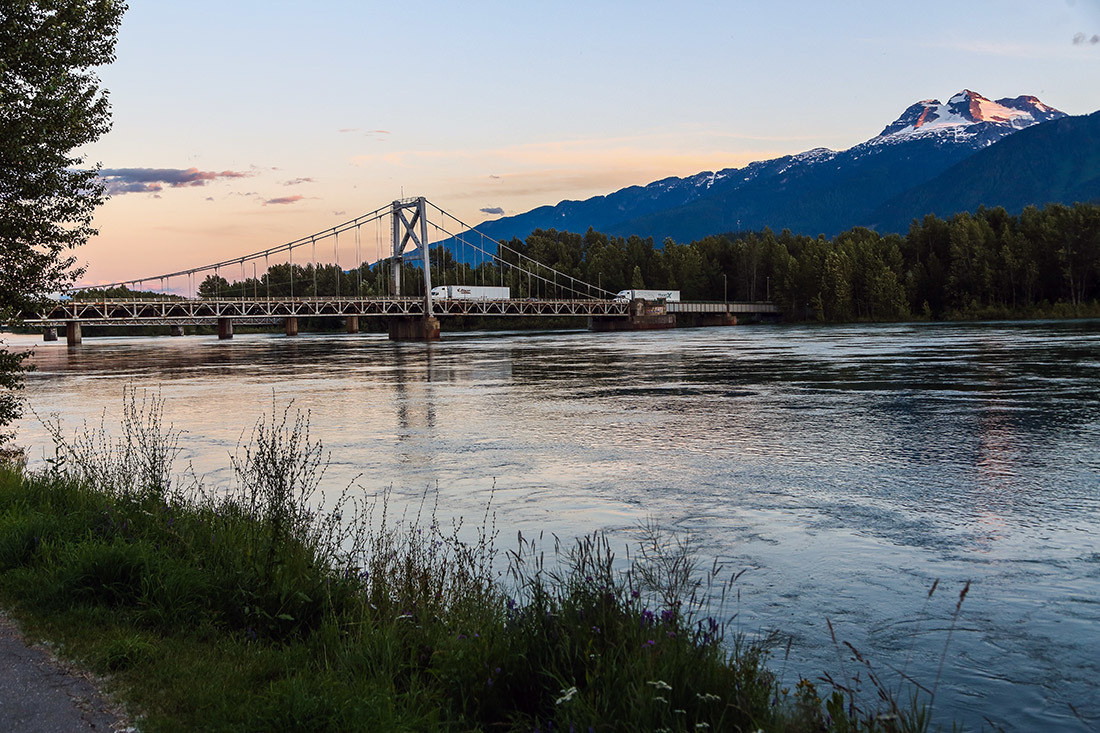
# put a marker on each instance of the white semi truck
(470, 292)
(628, 295)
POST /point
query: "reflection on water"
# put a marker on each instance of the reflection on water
(846, 467)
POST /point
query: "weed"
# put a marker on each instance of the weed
(268, 607)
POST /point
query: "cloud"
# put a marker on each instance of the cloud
(296, 181)
(284, 200)
(367, 133)
(493, 210)
(494, 177)
(339, 213)
(1080, 39)
(152, 180)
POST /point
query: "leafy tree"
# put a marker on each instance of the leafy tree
(50, 106)
(214, 286)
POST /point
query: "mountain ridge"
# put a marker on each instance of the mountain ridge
(818, 191)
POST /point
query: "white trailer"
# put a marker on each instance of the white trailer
(470, 292)
(628, 295)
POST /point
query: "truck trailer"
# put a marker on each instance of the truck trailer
(628, 295)
(470, 292)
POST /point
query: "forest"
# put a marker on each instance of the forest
(986, 264)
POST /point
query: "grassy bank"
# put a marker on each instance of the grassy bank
(250, 608)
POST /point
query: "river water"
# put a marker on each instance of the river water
(844, 468)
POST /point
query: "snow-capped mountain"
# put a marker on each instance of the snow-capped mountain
(967, 116)
(819, 191)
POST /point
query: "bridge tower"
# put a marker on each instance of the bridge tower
(409, 216)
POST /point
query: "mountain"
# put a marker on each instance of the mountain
(1054, 163)
(820, 191)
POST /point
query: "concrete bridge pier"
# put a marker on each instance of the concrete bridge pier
(643, 316)
(352, 323)
(49, 333)
(225, 328)
(72, 333)
(291, 324)
(717, 319)
(414, 328)
(177, 330)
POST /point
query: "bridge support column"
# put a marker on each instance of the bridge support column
(177, 330)
(644, 316)
(717, 319)
(352, 323)
(291, 324)
(225, 328)
(414, 328)
(72, 333)
(49, 333)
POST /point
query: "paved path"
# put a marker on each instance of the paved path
(40, 695)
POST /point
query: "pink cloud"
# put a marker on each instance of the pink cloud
(284, 200)
(151, 180)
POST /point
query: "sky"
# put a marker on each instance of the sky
(240, 125)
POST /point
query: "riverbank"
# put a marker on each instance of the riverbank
(257, 610)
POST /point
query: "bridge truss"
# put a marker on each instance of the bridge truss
(300, 279)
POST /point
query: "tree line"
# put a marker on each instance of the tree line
(981, 264)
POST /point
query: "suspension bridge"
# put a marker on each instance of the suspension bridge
(474, 275)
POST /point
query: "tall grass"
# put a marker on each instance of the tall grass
(269, 606)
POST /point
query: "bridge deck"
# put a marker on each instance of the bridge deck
(260, 310)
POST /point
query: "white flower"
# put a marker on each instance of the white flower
(702, 726)
(658, 698)
(566, 696)
(660, 684)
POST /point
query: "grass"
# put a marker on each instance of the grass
(253, 608)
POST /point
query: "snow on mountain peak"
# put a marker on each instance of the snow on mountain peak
(961, 117)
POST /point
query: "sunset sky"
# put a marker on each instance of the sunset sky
(239, 125)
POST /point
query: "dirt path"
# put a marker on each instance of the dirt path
(40, 694)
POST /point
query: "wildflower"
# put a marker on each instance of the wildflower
(660, 684)
(567, 695)
(707, 697)
(678, 711)
(658, 698)
(648, 642)
(702, 726)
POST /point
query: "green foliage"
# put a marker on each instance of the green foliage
(50, 105)
(260, 609)
(986, 264)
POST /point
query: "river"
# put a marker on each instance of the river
(844, 468)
